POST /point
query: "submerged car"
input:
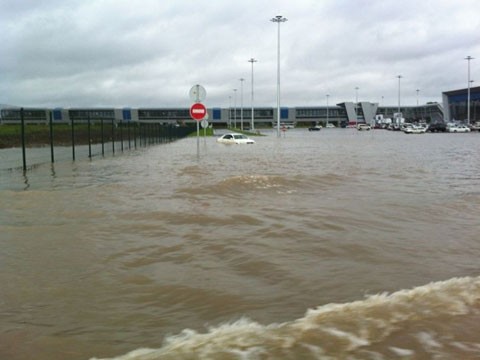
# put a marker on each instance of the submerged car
(234, 138)
(458, 128)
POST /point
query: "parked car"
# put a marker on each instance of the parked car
(458, 128)
(234, 138)
(475, 126)
(363, 127)
(437, 127)
(414, 129)
(315, 128)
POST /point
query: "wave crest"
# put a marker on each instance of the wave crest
(329, 331)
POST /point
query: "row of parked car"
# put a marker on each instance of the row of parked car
(453, 127)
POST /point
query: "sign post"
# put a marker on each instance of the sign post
(198, 111)
(204, 124)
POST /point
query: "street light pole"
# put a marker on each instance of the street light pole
(252, 125)
(468, 58)
(278, 19)
(235, 108)
(229, 111)
(399, 117)
(356, 104)
(241, 103)
(327, 107)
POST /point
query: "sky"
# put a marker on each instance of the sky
(149, 53)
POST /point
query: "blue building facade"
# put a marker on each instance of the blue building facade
(455, 105)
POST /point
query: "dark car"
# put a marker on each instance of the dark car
(437, 127)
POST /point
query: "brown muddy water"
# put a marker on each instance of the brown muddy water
(336, 244)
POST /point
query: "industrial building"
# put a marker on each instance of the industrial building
(453, 108)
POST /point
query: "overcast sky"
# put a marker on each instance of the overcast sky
(149, 53)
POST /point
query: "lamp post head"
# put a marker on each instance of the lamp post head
(278, 19)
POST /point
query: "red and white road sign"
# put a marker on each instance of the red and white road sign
(198, 111)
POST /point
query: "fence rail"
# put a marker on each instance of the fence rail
(96, 135)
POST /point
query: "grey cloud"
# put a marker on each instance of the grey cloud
(148, 53)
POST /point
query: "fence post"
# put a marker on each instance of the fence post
(113, 136)
(128, 134)
(89, 131)
(73, 139)
(52, 157)
(121, 134)
(135, 136)
(103, 142)
(22, 125)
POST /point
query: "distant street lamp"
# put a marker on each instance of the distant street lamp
(468, 58)
(399, 116)
(229, 111)
(241, 103)
(356, 104)
(235, 108)
(327, 106)
(418, 90)
(252, 125)
(474, 108)
(278, 19)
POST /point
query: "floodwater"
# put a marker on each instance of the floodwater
(336, 244)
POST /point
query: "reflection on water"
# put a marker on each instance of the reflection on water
(222, 255)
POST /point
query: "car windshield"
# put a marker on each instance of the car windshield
(239, 136)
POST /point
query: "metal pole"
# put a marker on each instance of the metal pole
(22, 125)
(399, 119)
(252, 125)
(121, 134)
(327, 107)
(52, 157)
(278, 19)
(356, 104)
(468, 58)
(89, 128)
(235, 108)
(128, 134)
(102, 135)
(73, 139)
(135, 135)
(241, 103)
(113, 136)
(230, 111)
(399, 77)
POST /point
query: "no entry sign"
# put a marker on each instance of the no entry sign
(198, 111)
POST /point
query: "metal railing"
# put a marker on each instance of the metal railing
(89, 137)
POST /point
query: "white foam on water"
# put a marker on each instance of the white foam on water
(329, 331)
(402, 352)
(428, 340)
